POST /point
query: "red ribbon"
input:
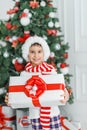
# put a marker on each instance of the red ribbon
(41, 86)
(62, 122)
(3, 119)
(2, 116)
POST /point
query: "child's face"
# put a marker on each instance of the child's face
(36, 55)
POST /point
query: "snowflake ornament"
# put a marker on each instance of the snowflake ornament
(6, 54)
(56, 24)
(50, 24)
(25, 21)
(52, 14)
(57, 46)
(43, 3)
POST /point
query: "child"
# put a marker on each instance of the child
(36, 51)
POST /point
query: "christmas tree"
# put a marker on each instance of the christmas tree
(26, 19)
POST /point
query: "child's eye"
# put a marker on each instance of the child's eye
(39, 51)
(32, 51)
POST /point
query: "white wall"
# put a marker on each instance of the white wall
(74, 14)
(4, 6)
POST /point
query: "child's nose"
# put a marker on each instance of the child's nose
(36, 54)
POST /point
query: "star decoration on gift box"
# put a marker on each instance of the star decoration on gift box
(32, 89)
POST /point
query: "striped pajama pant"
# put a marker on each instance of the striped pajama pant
(55, 123)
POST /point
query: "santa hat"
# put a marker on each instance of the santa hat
(30, 41)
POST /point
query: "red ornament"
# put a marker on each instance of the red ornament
(19, 67)
(26, 34)
(48, 0)
(22, 39)
(14, 43)
(63, 65)
(8, 25)
(12, 11)
(50, 5)
(52, 32)
(65, 55)
(14, 27)
(17, 3)
(25, 37)
(23, 15)
(7, 38)
(16, 9)
(34, 4)
(46, 16)
(70, 91)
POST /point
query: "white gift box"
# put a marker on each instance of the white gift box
(23, 121)
(77, 124)
(71, 125)
(35, 91)
(9, 116)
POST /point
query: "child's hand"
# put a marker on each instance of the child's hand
(6, 99)
(66, 96)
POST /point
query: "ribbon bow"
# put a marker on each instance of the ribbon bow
(34, 87)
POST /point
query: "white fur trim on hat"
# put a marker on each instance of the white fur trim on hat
(32, 40)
